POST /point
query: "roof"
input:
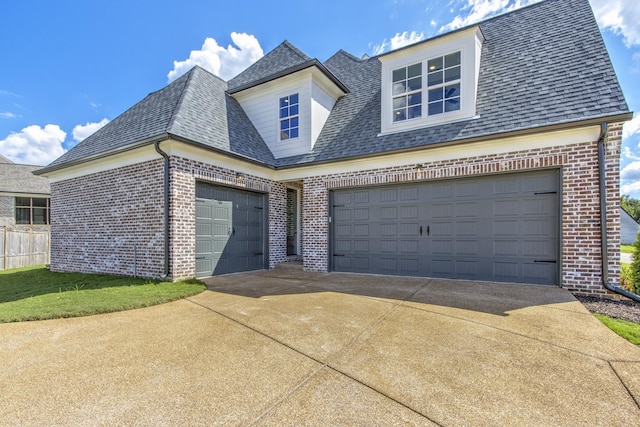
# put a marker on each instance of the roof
(194, 108)
(542, 66)
(629, 228)
(283, 57)
(3, 159)
(15, 178)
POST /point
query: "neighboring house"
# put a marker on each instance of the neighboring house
(24, 197)
(24, 215)
(470, 155)
(629, 228)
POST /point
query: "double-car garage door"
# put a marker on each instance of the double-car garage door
(230, 230)
(498, 228)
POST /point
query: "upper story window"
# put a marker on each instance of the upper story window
(407, 92)
(444, 84)
(32, 210)
(432, 82)
(442, 88)
(289, 120)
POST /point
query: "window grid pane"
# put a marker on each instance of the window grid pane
(32, 211)
(443, 81)
(289, 121)
(407, 82)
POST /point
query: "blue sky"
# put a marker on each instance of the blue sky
(69, 67)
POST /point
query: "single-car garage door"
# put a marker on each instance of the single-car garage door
(497, 228)
(230, 230)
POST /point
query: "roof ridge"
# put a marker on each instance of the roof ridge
(296, 50)
(185, 87)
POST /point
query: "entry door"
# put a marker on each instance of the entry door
(230, 230)
(292, 222)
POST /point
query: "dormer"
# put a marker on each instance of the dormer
(431, 82)
(288, 100)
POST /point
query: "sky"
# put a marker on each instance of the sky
(69, 67)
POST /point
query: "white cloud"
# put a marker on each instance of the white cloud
(631, 189)
(477, 10)
(621, 17)
(631, 127)
(628, 154)
(223, 62)
(80, 132)
(34, 145)
(631, 171)
(399, 40)
(8, 115)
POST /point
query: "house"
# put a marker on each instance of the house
(24, 215)
(629, 228)
(474, 154)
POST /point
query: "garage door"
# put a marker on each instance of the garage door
(497, 228)
(230, 230)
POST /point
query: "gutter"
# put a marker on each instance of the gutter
(156, 145)
(603, 220)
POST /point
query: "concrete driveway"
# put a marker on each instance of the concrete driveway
(291, 348)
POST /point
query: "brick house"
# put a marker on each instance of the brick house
(471, 155)
(24, 215)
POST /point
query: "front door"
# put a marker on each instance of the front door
(292, 222)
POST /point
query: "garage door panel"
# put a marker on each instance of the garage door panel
(486, 228)
(230, 230)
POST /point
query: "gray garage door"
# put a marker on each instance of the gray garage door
(230, 230)
(498, 228)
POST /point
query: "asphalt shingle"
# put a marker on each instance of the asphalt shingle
(542, 65)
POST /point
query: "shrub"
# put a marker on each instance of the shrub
(633, 278)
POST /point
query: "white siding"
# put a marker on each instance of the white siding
(321, 105)
(262, 109)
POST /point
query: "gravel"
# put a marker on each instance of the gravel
(622, 309)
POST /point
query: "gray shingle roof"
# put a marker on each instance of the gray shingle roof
(195, 107)
(15, 178)
(538, 68)
(542, 65)
(628, 228)
(3, 159)
(283, 57)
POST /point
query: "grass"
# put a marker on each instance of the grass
(626, 249)
(35, 293)
(627, 330)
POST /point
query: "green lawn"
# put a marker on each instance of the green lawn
(627, 330)
(36, 293)
(626, 249)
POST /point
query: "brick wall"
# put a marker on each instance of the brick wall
(184, 174)
(581, 253)
(109, 222)
(7, 211)
(103, 222)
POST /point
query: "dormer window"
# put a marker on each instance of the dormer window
(444, 84)
(431, 83)
(289, 120)
(442, 88)
(407, 92)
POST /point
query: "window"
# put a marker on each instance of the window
(443, 88)
(289, 120)
(32, 211)
(443, 83)
(407, 92)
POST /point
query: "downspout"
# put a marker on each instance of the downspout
(603, 220)
(156, 145)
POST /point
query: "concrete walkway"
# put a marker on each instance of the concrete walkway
(293, 348)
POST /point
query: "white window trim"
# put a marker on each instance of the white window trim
(469, 44)
(279, 139)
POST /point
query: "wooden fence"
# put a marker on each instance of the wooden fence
(24, 247)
